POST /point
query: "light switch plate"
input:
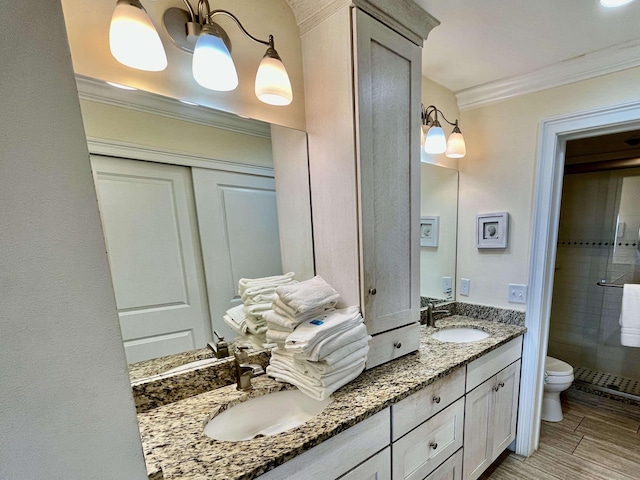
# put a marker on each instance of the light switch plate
(446, 285)
(465, 285)
(517, 293)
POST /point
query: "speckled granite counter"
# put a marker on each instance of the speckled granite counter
(173, 438)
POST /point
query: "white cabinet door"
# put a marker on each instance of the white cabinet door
(477, 427)
(149, 223)
(377, 467)
(388, 77)
(449, 470)
(505, 406)
(238, 221)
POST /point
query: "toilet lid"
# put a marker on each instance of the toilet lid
(553, 366)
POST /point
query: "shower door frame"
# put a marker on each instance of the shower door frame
(554, 133)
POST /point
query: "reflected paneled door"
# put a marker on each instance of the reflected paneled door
(150, 227)
(238, 221)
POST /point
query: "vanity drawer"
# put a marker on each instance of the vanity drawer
(420, 406)
(449, 470)
(388, 346)
(423, 449)
(488, 365)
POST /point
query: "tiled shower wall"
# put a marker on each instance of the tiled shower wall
(584, 328)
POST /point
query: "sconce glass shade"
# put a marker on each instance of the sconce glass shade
(435, 141)
(212, 65)
(133, 39)
(614, 3)
(272, 81)
(455, 146)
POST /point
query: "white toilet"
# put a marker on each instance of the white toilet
(558, 376)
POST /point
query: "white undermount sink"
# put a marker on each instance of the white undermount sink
(266, 415)
(460, 335)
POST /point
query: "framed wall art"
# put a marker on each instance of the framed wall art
(429, 227)
(492, 230)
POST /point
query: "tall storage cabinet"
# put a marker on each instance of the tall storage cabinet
(362, 90)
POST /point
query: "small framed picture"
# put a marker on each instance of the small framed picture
(429, 231)
(492, 230)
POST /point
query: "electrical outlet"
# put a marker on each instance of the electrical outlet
(465, 284)
(446, 285)
(517, 293)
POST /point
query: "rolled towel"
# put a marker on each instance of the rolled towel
(310, 333)
(296, 318)
(275, 280)
(308, 295)
(331, 344)
(319, 393)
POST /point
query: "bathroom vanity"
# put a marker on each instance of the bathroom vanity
(403, 419)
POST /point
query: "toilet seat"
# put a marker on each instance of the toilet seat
(557, 368)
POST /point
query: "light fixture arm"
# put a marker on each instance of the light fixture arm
(426, 117)
(192, 14)
(269, 42)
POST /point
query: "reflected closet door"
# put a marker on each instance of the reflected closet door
(149, 222)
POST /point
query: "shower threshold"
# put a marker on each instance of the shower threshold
(607, 384)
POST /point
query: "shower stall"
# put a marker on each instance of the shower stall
(598, 252)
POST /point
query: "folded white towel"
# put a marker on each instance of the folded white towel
(256, 325)
(267, 297)
(630, 316)
(258, 309)
(319, 393)
(297, 318)
(347, 350)
(275, 280)
(275, 326)
(237, 314)
(277, 336)
(310, 333)
(240, 330)
(308, 295)
(320, 369)
(318, 380)
(324, 348)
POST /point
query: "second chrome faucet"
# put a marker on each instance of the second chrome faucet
(245, 371)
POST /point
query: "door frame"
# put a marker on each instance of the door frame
(553, 134)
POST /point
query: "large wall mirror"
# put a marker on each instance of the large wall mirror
(439, 219)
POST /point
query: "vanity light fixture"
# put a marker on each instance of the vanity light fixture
(434, 139)
(196, 33)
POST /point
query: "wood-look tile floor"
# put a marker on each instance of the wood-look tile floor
(599, 438)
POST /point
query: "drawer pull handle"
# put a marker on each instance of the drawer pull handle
(397, 344)
(501, 384)
(373, 291)
(433, 445)
(436, 399)
(497, 387)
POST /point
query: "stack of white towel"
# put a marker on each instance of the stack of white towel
(319, 349)
(247, 319)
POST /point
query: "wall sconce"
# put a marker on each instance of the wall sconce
(135, 42)
(434, 139)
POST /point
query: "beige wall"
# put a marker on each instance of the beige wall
(162, 133)
(498, 174)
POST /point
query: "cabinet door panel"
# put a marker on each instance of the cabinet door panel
(388, 79)
(505, 407)
(449, 470)
(377, 467)
(477, 447)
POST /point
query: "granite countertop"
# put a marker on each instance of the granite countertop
(173, 439)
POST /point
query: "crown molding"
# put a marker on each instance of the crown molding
(98, 91)
(601, 62)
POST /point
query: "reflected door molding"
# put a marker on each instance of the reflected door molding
(238, 222)
(151, 234)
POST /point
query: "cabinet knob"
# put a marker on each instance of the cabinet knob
(433, 445)
(436, 399)
(373, 291)
(397, 344)
(501, 384)
(496, 388)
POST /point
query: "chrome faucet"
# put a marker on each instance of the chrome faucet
(245, 371)
(431, 322)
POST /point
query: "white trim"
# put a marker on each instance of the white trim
(602, 62)
(112, 148)
(147, 102)
(554, 133)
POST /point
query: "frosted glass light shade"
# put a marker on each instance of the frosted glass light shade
(614, 3)
(133, 39)
(272, 82)
(455, 146)
(435, 141)
(212, 65)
